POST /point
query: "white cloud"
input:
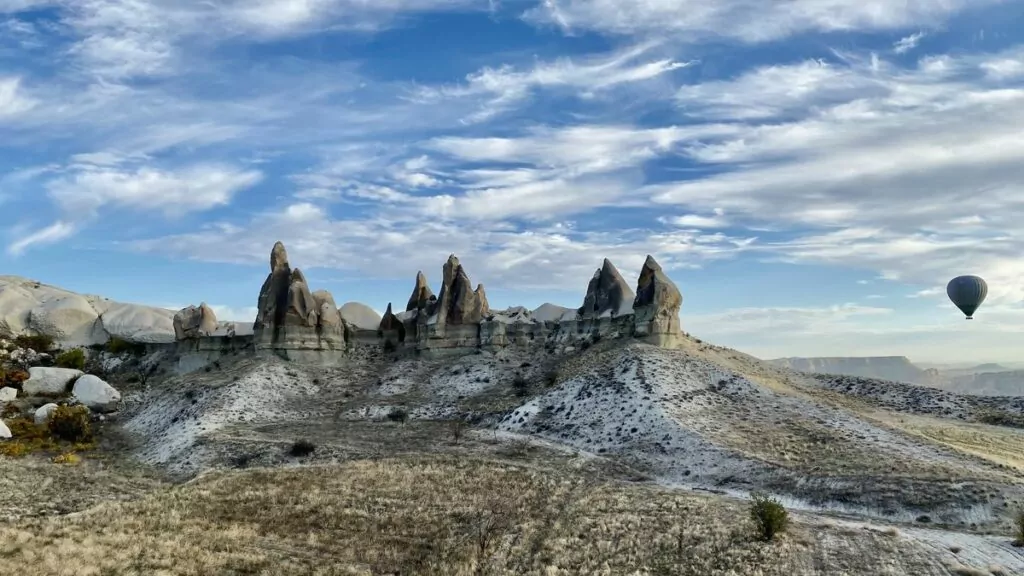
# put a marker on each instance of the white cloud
(698, 20)
(53, 233)
(13, 100)
(718, 220)
(499, 89)
(782, 320)
(190, 189)
(907, 43)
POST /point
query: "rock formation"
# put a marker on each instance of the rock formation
(657, 303)
(391, 328)
(608, 294)
(360, 316)
(194, 322)
(422, 295)
(289, 317)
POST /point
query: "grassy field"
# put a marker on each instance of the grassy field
(436, 515)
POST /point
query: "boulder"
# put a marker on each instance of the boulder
(608, 294)
(8, 395)
(49, 381)
(421, 294)
(194, 322)
(360, 316)
(96, 394)
(657, 303)
(43, 413)
(68, 318)
(5, 432)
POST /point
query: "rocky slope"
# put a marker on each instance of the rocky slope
(895, 368)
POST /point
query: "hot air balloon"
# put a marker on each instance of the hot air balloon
(967, 293)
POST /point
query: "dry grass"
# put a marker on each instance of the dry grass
(434, 515)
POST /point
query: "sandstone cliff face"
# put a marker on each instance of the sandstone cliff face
(289, 316)
(608, 294)
(194, 322)
(657, 303)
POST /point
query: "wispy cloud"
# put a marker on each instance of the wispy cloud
(907, 43)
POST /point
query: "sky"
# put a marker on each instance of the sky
(810, 173)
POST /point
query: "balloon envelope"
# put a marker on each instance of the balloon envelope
(967, 293)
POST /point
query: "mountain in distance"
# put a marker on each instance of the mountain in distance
(989, 379)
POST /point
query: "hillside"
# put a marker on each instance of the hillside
(896, 368)
(551, 454)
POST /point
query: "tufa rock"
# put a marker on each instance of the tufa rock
(421, 294)
(465, 305)
(657, 303)
(96, 394)
(608, 294)
(391, 328)
(273, 300)
(192, 322)
(49, 381)
(302, 309)
(359, 315)
(328, 315)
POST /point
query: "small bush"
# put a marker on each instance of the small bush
(71, 423)
(458, 428)
(69, 458)
(119, 346)
(585, 345)
(389, 346)
(1018, 528)
(398, 415)
(302, 448)
(39, 342)
(1001, 418)
(74, 359)
(769, 516)
(521, 386)
(551, 377)
(14, 378)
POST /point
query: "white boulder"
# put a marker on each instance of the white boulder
(8, 395)
(5, 432)
(136, 323)
(43, 413)
(96, 394)
(360, 315)
(43, 380)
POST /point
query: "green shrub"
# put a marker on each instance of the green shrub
(119, 346)
(398, 415)
(302, 448)
(521, 386)
(769, 516)
(39, 342)
(74, 359)
(71, 423)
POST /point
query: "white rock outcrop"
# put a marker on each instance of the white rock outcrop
(43, 380)
(5, 432)
(8, 395)
(43, 413)
(96, 394)
(27, 306)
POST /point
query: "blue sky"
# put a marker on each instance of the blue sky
(810, 172)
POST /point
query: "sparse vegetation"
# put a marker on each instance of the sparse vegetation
(73, 359)
(551, 378)
(769, 516)
(13, 377)
(302, 448)
(120, 346)
(520, 386)
(458, 428)
(38, 342)
(1018, 528)
(398, 415)
(1001, 418)
(71, 424)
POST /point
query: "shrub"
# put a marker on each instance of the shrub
(551, 377)
(14, 378)
(74, 358)
(398, 415)
(1001, 418)
(39, 342)
(458, 428)
(1018, 528)
(769, 516)
(520, 386)
(302, 448)
(71, 423)
(119, 346)
(69, 458)
(389, 346)
(26, 438)
(585, 345)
